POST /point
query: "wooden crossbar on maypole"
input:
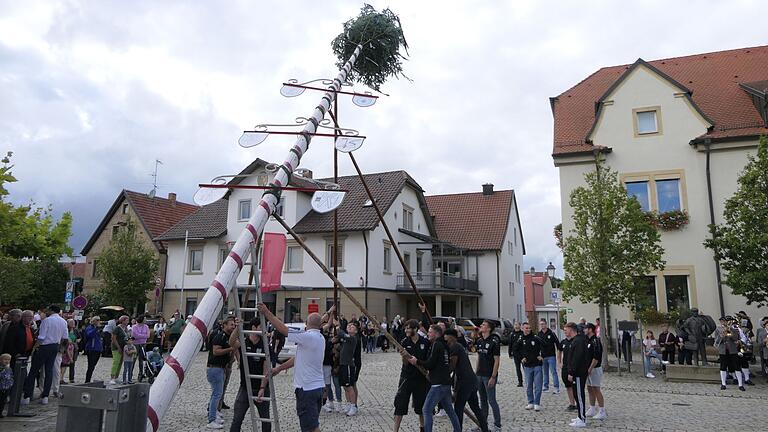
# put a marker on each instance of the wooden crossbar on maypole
(179, 360)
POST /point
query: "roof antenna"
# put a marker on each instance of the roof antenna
(153, 192)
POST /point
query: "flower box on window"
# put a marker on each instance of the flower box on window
(670, 220)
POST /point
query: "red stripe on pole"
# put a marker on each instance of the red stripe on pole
(152, 415)
(253, 231)
(288, 165)
(237, 259)
(277, 183)
(176, 366)
(298, 150)
(216, 284)
(200, 325)
(265, 206)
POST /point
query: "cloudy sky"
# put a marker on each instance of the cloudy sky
(91, 93)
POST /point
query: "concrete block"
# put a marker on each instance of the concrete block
(685, 373)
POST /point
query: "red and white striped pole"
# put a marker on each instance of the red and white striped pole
(177, 364)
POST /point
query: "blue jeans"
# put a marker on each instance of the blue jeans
(439, 394)
(533, 384)
(488, 396)
(128, 371)
(44, 359)
(647, 359)
(550, 366)
(216, 380)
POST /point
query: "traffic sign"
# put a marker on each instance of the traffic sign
(556, 295)
(68, 296)
(78, 315)
(80, 302)
(570, 310)
(70, 286)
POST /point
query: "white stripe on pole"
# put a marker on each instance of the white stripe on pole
(167, 383)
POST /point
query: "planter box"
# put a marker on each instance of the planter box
(685, 373)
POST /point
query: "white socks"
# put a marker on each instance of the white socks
(723, 377)
(745, 372)
(740, 377)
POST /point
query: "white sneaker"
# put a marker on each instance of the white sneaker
(219, 418)
(537, 407)
(600, 415)
(340, 407)
(578, 423)
(214, 425)
(44, 401)
(328, 407)
(664, 362)
(529, 407)
(650, 375)
(112, 382)
(556, 391)
(496, 429)
(591, 411)
(25, 401)
(352, 411)
(440, 413)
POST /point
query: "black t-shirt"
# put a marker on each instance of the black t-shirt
(549, 343)
(530, 349)
(328, 356)
(486, 349)
(437, 364)
(595, 348)
(565, 347)
(418, 349)
(255, 364)
(463, 375)
(220, 339)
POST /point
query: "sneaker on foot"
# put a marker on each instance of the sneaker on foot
(529, 407)
(591, 411)
(328, 407)
(25, 401)
(112, 382)
(599, 416)
(496, 429)
(224, 406)
(749, 382)
(556, 391)
(537, 407)
(519, 384)
(340, 407)
(742, 388)
(545, 389)
(214, 425)
(722, 387)
(440, 413)
(650, 375)
(664, 362)
(44, 401)
(578, 423)
(352, 411)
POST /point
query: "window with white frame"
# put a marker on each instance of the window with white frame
(407, 218)
(639, 191)
(195, 264)
(419, 264)
(511, 289)
(514, 231)
(125, 208)
(244, 209)
(223, 254)
(294, 256)
(668, 195)
(387, 259)
(407, 260)
(647, 121)
(510, 248)
(657, 192)
(339, 256)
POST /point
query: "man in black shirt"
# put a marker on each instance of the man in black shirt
(579, 360)
(550, 347)
(565, 348)
(259, 386)
(530, 357)
(464, 381)
(412, 382)
(218, 358)
(438, 365)
(514, 352)
(347, 375)
(595, 376)
(488, 360)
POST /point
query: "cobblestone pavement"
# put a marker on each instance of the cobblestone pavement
(632, 403)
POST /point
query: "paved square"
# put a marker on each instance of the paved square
(632, 403)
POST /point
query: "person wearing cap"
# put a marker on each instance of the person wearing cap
(129, 357)
(464, 381)
(595, 374)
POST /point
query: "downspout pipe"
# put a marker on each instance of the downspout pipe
(498, 286)
(718, 272)
(365, 285)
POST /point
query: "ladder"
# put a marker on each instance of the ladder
(245, 354)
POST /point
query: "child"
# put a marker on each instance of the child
(155, 359)
(67, 350)
(129, 356)
(6, 380)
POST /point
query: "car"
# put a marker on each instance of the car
(503, 327)
(289, 349)
(467, 324)
(443, 319)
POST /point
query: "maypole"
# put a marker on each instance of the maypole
(381, 37)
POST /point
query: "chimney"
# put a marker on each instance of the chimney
(488, 189)
(172, 198)
(533, 270)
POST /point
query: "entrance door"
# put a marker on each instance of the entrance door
(292, 310)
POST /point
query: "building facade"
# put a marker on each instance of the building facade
(678, 131)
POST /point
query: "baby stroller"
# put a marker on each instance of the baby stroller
(152, 365)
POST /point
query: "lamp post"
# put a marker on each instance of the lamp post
(551, 274)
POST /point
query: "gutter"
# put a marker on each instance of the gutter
(718, 271)
(498, 285)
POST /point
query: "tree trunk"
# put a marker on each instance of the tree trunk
(603, 333)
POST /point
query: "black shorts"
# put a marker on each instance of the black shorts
(347, 375)
(745, 359)
(729, 362)
(410, 387)
(564, 376)
(357, 374)
(308, 405)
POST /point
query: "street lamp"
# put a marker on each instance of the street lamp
(551, 274)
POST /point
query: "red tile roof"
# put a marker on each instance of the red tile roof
(79, 271)
(712, 78)
(156, 214)
(472, 220)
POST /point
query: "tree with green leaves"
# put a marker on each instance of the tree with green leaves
(31, 243)
(611, 244)
(128, 268)
(741, 243)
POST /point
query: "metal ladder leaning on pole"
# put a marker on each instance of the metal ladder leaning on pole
(245, 354)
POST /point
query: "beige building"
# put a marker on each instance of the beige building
(678, 131)
(152, 215)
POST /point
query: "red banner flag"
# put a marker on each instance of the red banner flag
(272, 259)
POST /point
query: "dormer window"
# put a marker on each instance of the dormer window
(647, 121)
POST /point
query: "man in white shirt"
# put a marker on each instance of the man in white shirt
(52, 330)
(308, 379)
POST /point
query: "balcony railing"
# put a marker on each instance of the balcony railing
(436, 282)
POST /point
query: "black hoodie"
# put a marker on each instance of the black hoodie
(437, 363)
(529, 347)
(579, 357)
